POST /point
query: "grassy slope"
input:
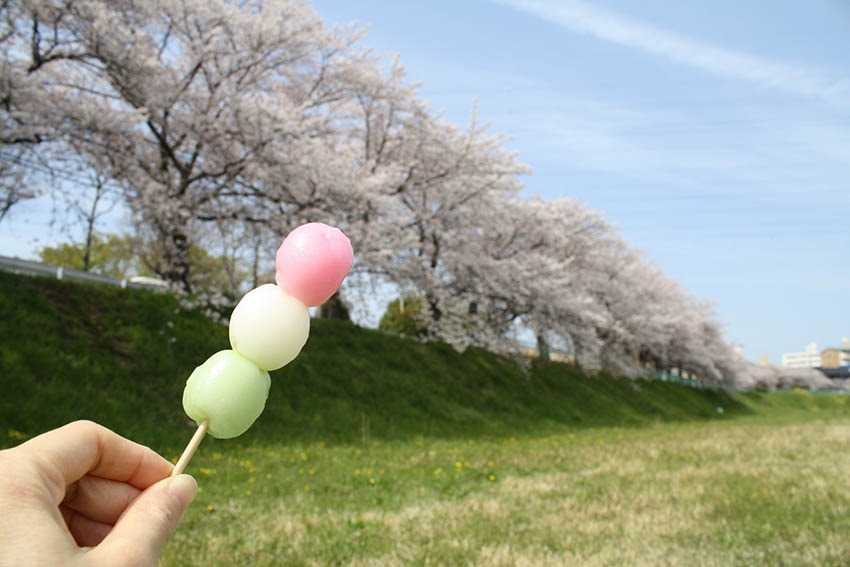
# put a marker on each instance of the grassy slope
(121, 357)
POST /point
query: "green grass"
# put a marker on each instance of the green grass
(375, 450)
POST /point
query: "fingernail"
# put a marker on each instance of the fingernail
(183, 488)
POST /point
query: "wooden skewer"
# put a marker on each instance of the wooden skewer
(191, 448)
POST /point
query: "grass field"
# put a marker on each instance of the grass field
(375, 450)
(768, 489)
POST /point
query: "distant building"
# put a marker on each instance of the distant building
(810, 358)
(835, 358)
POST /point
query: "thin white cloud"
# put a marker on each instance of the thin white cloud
(606, 25)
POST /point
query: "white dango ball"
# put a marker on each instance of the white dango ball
(227, 391)
(269, 327)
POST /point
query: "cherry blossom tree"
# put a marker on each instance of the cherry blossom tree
(441, 201)
(187, 103)
(22, 125)
(523, 267)
(777, 377)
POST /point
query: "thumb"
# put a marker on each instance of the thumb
(141, 533)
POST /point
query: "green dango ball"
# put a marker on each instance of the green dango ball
(228, 391)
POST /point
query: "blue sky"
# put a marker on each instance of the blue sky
(714, 134)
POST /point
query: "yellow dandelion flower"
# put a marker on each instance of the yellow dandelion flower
(372, 481)
(302, 455)
(492, 478)
(19, 435)
(210, 508)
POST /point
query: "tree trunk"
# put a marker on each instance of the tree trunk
(542, 348)
(334, 308)
(434, 306)
(177, 259)
(91, 218)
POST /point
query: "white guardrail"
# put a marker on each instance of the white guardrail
(28, 267)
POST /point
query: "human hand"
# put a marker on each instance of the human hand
(83, 495)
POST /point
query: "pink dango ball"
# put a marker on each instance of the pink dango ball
(312, 262)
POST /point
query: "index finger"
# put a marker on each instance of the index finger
(67, 454)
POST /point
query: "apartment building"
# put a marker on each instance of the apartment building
(835, 358)
(809, 358)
